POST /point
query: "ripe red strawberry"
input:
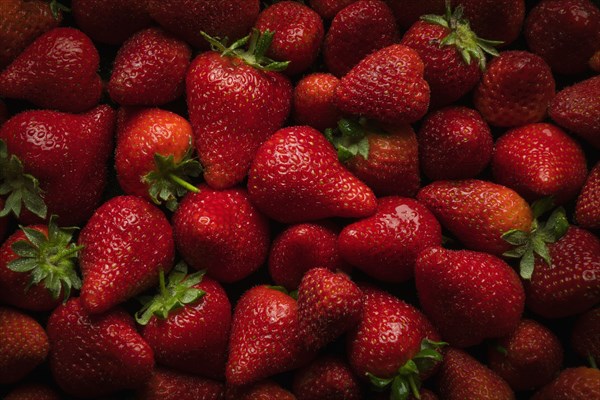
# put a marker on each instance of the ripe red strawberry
(454, 143)
(149, 69)
(529, 357)
(302, 247)
(577, 108)
(95, 355)
(126, 243)
(386, 245)
(298, 34)
(585, 336)
(170, 385)
(565, 33)
(235, 101)
(57, 71)
(328, 305)
(329, 378)
(387, 86)
(265, 390)
(572, 384)
(357, 31)
(462, 377)
(110, 21)
(264, 337)
(515, 89)
(297, 177)
(221, 232)
(540, 160)
(23, 345)
(56, 163)
(327, 9)
(153, 155)
(408, 12)
(32, 391)
(313, 102)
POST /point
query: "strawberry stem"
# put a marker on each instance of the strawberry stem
(56, 7)
(186, 185)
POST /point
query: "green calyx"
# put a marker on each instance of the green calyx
(350, 138)
(529, 244)
(174, 295)
(50, 259)
(21, 188)
(258, 45)
(56, 8)
(407, 381)
(462, 37)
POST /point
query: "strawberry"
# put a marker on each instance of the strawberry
(313, 102)
(386, 245)
(454, 143)
(95, 355)
(527, 358)
(23, 345)
(462, 377)
(153, 155)
(126, 243)
(55, 163)
(236, 100)
(515, 89)
(170, 385)
(572, 384)
(58, 71)
(149, 69)
(585, 336)
(327, 9)
(357, 31)
(387, 86)
(565, 33)
(298, 34)
(577, 108)
(187, 323)
(296, 177)
(328, 378)
(408, 12)
(328, 305)
(264, 390)
(302, 247)
(540, 160)
(221, 232)
(32, 391)
(595, 62)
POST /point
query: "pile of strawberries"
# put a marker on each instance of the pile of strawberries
(337, 200)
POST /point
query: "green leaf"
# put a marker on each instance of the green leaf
(36, 237)
(527, 264)
(56, 7)
(24, 248)
(516, 237)
(379, 383)
(22, 265)
(557, 225)
(542, 206)
(400, 389)
(351, 128)
(501, 349)
(409, 368)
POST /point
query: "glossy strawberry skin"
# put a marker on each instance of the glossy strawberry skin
(170, 385)
(126, 243)
(494, 20)
(585, 336)
(327, 377)
(32, 391)
(313, 103)
(579, 383)
(264, 390)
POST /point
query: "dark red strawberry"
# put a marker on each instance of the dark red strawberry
(585, 336)
(328, 378)
(357, 31)
(221, 232)
(454, 143)
(386, 245)
(149, 69)
(298, 34)
(32, 391)
(515, 89)
(314, 101)
(126, 243)
(236, 101)
(572, 384)
(387, 86)
(23, 345)
(408, 12)
(57, 71)
(327, 9)
(595, 62)
(296, 177)
(95, 355)
(264, 390)
(170, 385)
(565, 33)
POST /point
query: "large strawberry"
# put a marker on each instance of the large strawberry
(32, 391)
(408, 12)
(327, 9)
(236, 101)
(170, 385)
(313, 103)
(579, 383)
(327, 377)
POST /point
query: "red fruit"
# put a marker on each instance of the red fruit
(314, 101)
(387, 86)
(494, 20)
(408, 12)
(357, 31)
(170, 385)
(235, 105)
(327, 9)
(149, 69)
(454, 143)
(265, 390)
(95, 355)
(222, 233)
(23, 345)
(297, 177)
(32, 391)
(327, 378)
(126, 243)
(585, 336)
(540, 160)
(515, 90)
(565, 33)
(528, 358)
(386, 245)
(572, 384)
(57, 71)
(298, 34)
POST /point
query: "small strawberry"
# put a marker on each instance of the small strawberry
(327, 9)
(23, 345)
(32, 391)
(328, 378)
(572, 384)
(57, 71)
(126, 243)
(357, 31)
(499, 20)
(296, 177)
(585, 336)
(170, 385)
(313, 103)
(515, 89)
(264, 390)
